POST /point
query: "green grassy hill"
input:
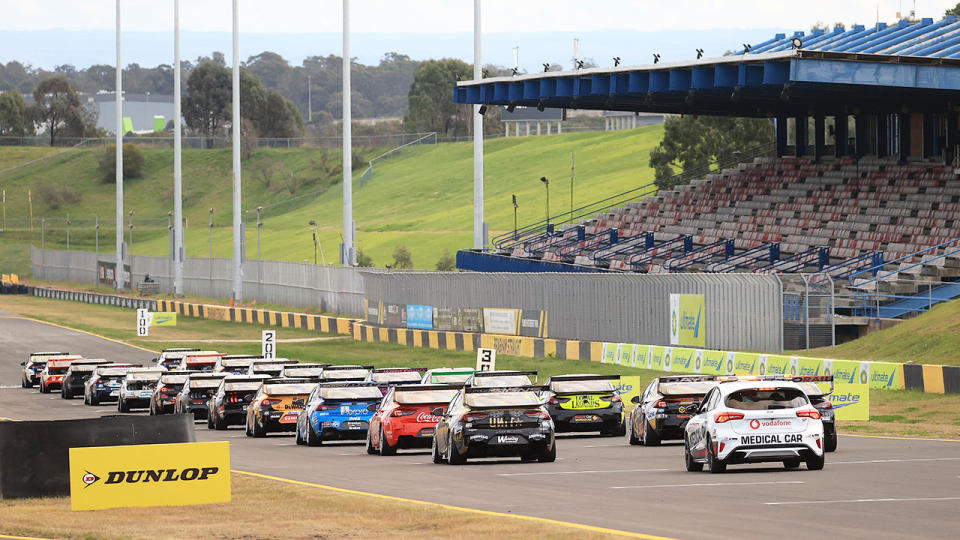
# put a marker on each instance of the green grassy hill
(422, 197)
(930, 338)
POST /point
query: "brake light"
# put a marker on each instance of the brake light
(809, 413)
(557, 401)
(327, 407)
(723, 417)
(542, 415)
(373, 406)
(661, 404)
(612, 399)
(818, 443)
(401, 412)
(270, 402)
(771, 389)
(720, 450)
(825, 405)
(470, 417)
(168, 390)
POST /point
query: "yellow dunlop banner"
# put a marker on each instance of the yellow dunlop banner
(149, 475)
(628, 387)
(850, 401)
(164, 319)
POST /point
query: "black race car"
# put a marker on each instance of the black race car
(581, 403)
(494, 422)
(665, 406)
(820, 399)
(195, 393)
(228, 405)
(77, 374)
(165, 392)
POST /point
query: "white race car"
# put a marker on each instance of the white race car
(753, 420)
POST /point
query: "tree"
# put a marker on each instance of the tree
(691, 143)
(14, 115)
(205, 108)
(58, 109)
(955, 10)
(431, 101)
(401, 258)
(133, 162)
(446, 263)
(363, 260)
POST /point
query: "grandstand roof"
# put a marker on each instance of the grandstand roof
(903, 67)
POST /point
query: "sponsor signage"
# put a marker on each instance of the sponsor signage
(714, 363)
(850, 401)
(486, 359)
(107, 274)
(611, 352)
(641, 353)
(163, 318)
(777, 364)
(628, 387)
(501, 321)
(683, 360)
(395, 315)
(420, 317)
(533, 323)
(687, 320)
(628, 355)
(885, 375)
(746, 363)
(268, 344)
(656, 358)
(149, 475)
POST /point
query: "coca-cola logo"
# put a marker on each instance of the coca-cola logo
(427, 418)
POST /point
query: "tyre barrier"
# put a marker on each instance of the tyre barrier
(13, 288)
(34, 456)
(95, 298)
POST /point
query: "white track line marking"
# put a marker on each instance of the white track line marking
(708, 485)
(8, 386)
(866, 500)
(604, 445)
(581, 472)
(893, 460)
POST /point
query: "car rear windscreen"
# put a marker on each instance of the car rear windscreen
(596, 385)
(685, 388)
(502, 399)
(425, 396)
(502, 380)
(287, 389)
(397, 376)
(356, 392)
(242, 386)
(346, 374)
(762, 399)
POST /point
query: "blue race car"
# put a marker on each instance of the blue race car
(338, 411)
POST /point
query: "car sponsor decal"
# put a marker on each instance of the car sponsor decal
(507, 439)
(773, 438)
(757, 424)
(427, 418)
(89, 479)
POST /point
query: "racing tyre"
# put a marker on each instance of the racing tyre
(209, 421)
(620, 430)
(312, 438)
(385, 448)
(528, 456)
(122, 406)
(372, 450)
(716, 464)
(650, 437)
(815, 462)
(454, 457)
(691, 464)
(67, 393)
(219, 424)
(44, 389)
(434, 453)
(93, 400)
(830, 441)
(548, 456)
(632, 434)
(791, 463)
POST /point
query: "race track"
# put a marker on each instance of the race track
(870, 488)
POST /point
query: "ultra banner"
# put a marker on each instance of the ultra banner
(149, 475)
(687, 320)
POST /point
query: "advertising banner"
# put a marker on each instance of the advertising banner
(628, 387)
(777, 364)
(628, 355)
(850, 401)
(420, 317)
(714, 363)
(687, 320)
(533, 323)
(149, 475)
(746, 363)
(806, 366)
(682, 361)
(641, 356)
(885, 375)
(611, 352)
(501, 321)
(848, 372)
(467, 320)
(106, 274)
(395, 315)
(656, 358)
(164, 319)
(373, 311)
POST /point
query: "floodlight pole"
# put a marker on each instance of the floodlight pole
(118, 274)
(348, 257)
(571, 186)
(178, 250)
(478, 239)
(237, 212)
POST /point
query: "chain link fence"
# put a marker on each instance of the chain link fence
(809, 306)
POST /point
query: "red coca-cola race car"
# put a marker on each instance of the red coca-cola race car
(405, 418)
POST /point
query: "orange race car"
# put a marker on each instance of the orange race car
(277, 406)
(51, 378)
(405, 418)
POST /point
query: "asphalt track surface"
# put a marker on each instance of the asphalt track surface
(870, 487)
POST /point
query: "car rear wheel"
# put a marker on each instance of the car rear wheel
(716, 464)
(385, 448)
(548, 456)
(93, 400)
(454, 457)
(370, 448)
(791, 463)
(650, 437)
(122, 406)
(688, 461)
(435, 453)
(632, 434)
(815, 462)
(620, 430)
(312, 438)
(830, 441)
(44, 389)
(258, 430)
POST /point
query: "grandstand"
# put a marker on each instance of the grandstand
(870, 207)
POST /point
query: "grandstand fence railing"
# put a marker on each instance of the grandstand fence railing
(809, 311)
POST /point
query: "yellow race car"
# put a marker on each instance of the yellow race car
(277, 406)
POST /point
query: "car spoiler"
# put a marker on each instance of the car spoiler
(49, 354)
(504, 373)
(788, 377)
(503, 389)
(241, 357)
(401, 370)
(349, 384)
(425, 387)
(568, 378)
(338, 368)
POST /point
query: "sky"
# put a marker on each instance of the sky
(45, 33)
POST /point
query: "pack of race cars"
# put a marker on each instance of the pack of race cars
(459, 413)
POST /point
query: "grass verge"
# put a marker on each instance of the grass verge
(256, 512)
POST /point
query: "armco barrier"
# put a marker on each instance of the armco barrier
(266, 317)
(34, 456)
(94, 298)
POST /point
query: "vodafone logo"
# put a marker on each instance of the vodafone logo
(757, 424)
(426, 418)
(754, 424)
(89, 479)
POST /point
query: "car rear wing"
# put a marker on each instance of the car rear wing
(242, 357)
(44, 353)
(425, 387)
(179, 349)
(788, 377)
(401, 370)
(504, 389)
(338, 368)
(352, 384)
(536, 389)
(504, 373)
(569, 378)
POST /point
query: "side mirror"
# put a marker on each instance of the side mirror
(635, 399)
(437, 412)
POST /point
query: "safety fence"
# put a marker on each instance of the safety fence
(328, 289)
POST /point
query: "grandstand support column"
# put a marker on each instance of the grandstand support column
(883, 141)
(801, 135)
(951, 142)
(781, 127)
(819, 139)
(904, 137)
(929, 135)
(477, 135)
(862, 135)
(841, 133)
